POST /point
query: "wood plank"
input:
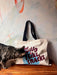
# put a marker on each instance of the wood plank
(30, 70)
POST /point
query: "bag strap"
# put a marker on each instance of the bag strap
(26, 31)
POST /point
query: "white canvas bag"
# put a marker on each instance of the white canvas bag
(36, 50)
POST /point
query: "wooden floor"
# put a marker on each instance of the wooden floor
(30, 70)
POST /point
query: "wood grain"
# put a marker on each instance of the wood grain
(30, 70)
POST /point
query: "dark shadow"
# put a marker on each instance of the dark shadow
(51, 52)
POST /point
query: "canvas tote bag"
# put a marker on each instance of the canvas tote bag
(36, 50)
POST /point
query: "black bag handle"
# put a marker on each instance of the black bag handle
(26, 31)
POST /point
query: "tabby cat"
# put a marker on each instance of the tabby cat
(9, 53)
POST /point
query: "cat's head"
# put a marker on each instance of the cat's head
(20, 52)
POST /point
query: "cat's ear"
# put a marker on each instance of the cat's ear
(22, 47)
(21, 50)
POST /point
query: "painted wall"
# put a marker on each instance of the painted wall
(43, 13)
